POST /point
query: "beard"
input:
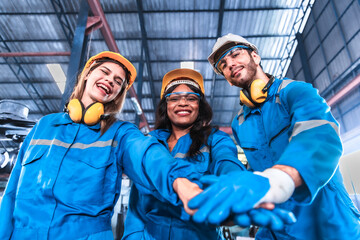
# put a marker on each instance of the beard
(245, 81)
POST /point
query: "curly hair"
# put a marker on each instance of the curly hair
(201, 128)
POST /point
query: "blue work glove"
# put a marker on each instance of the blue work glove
(238, 192)
(274, 219)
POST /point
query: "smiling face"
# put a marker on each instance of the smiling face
(103, 83)
(182, 114)
(239, 67)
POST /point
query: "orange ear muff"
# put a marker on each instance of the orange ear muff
(90, 116)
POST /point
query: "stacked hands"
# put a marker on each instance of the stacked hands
(242, 198)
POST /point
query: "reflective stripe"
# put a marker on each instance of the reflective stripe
(183, 155)
(75, 145)
(49, 142)
(283, 85)
(241, 119)
(94, 144)
(306, 125)
(240, 116)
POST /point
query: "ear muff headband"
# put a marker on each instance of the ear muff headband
(256, 94)
(90, 116)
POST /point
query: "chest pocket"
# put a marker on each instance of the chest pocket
(31, 171)
(90, 173)
(277, 125)
(96, 159)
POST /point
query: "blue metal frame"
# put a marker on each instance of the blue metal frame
(218, 34)
(291, 46)
(140, 80)
(65, 25)
(146, 49)
(304, 58)
(77, 58)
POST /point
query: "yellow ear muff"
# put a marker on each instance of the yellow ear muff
(256, 91)
(90, 116)
(75, 109)
(93, 113)
(246, 99)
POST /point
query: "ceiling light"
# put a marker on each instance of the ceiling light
(187, 65)
(58, 74)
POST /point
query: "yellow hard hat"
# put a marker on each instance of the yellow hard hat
(117, 57)
(182, 76)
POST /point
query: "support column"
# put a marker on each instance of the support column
(77, 57)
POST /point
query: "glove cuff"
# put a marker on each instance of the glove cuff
(282, 186)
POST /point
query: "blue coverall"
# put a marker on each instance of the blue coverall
(294, 127)
(149, 218)
(67, 179)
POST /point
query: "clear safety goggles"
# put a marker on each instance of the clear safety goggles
(189, 97)
(229, 52)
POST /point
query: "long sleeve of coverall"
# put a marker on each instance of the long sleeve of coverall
(314, 145)
(150, 166)
(8, 201)
(224, 155)
(294, 127)
(58, 143)
(145, 212)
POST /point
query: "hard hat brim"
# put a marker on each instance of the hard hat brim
(117, 57)
(182, 73)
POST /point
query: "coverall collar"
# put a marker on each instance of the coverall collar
(271, 92)
(64, 119)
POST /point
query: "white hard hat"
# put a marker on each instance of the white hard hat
(223, 44)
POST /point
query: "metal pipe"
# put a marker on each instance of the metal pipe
(33, 54)
(345, 90)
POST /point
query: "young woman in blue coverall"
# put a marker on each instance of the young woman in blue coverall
(67, 177)
(183, 118)
(291, 141)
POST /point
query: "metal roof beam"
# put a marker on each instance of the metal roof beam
(17, 69)
(63, 19)
(160, 11)
(149, 38)
(140, 82)
(133, 61)
(33, 54)
(218, 34)
(29, 98)
(146, 49)
(31, 80)
(289, 50)
(304, 59)
(77, 57)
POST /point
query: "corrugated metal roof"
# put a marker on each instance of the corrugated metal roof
(175, 31)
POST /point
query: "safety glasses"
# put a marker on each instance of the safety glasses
(189, 97)
(231, 52)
